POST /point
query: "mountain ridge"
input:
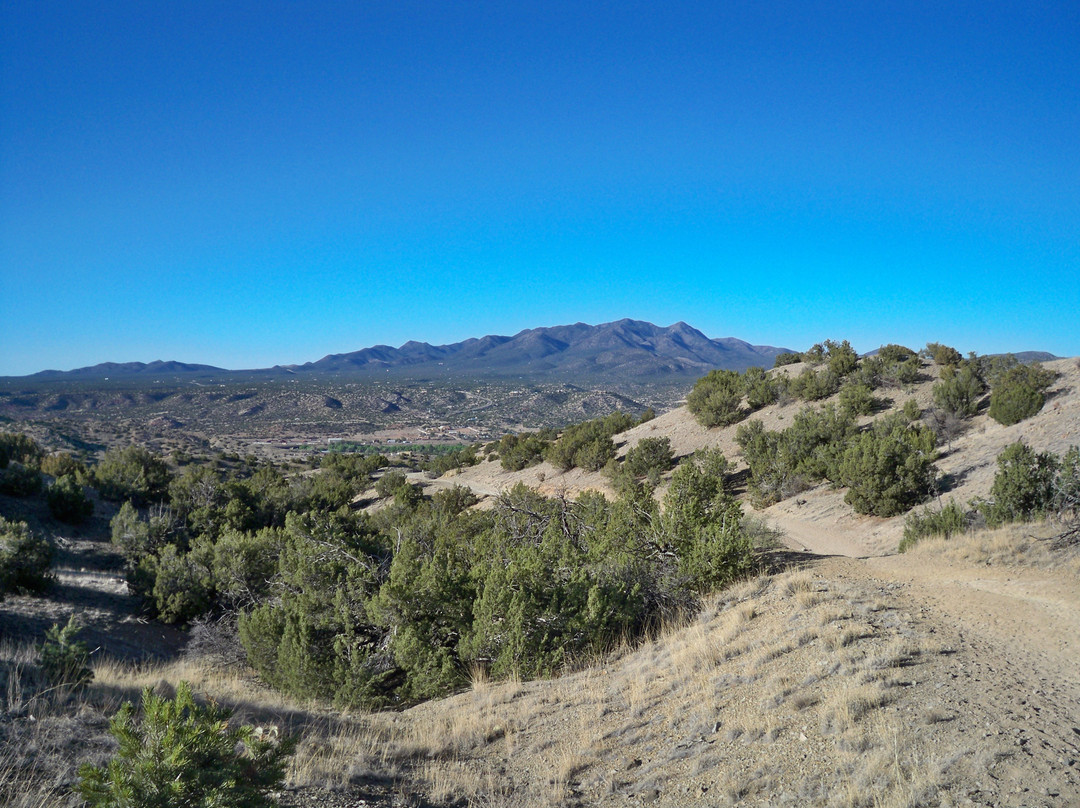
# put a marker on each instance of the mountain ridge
(624, 348)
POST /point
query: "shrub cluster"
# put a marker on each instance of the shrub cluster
(397, 607)
(840, 361)
(181, 553)
(457, 459)
(517, 452)
(132, 473)
(887, 467)
(717, 398)
(19, 448)
(588, 445)
(1029, 485)
(786, 462)
(1019, 393)
(24, 559)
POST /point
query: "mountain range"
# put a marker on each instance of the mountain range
(624, 350)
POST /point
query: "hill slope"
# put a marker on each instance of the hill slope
(818, 519)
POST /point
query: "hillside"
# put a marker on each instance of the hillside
(818, 519)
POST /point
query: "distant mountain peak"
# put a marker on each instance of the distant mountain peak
(623, 350)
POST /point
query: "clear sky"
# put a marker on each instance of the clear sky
(250, 183)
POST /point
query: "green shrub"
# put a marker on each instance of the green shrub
(784, 463)
(132, 473)
(1024, 485)
(244, 564)
(1067, 485)
(588, 445)
(315, 638)
(699, 488)
(959, 389)
(24, 559)
(20, 448)
(895, 354)
(61, 463)
(944, 521)
(19, 480)
(943, 354)
(857, 398)
(911, 410)
(890, 467)
(761, 388)
(1019, 393)
(68, 502)
(457, 459)
(136, 537)
(517, 452)
(813, 385)
(841, 357)
(555, 580)
(716, 397)
(903, 373)
(64, 658)
(702, 523)
(787, 359)
(388, 485)
(184, 754)
(183, 583)
(650, 457)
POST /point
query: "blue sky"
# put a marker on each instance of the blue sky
(244, 184)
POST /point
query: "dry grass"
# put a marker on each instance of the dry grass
(1018, 545)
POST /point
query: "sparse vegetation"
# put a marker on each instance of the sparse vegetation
(346, 600)
(944, 521)
(64, 658)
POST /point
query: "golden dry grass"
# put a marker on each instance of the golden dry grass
(1019, 545)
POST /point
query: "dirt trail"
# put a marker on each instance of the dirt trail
(1013, 675)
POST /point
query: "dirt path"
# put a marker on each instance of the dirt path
(1011, 683)
(90, 584)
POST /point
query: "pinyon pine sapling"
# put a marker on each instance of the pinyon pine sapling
(183, 754)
